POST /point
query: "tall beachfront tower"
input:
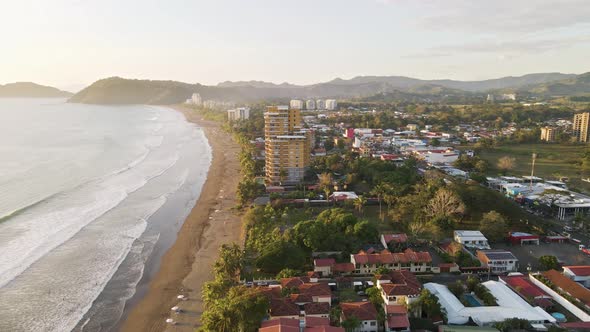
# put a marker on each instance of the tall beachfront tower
(287, 148)
(580, 127)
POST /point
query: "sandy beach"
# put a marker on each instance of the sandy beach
(187, 264)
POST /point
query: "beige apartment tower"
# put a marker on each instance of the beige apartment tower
(287, 148)
(548, 134)
(580, 128)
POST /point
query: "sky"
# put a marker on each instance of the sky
(72, 43)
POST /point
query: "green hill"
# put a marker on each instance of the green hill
(30, 90)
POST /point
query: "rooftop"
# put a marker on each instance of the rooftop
(579, 270)
(360, 310)
(498, 254)
(569, 286)
(463, 233)
(387, 257)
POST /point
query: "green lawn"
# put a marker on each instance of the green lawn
(553, 160)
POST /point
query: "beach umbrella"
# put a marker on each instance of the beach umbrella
(170, 321)
(175, 309)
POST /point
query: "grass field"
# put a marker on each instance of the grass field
(553, 160)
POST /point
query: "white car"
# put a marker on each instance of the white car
(568, 228)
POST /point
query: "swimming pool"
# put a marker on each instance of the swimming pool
(472, 300)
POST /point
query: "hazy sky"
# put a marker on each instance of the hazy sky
(67, 43)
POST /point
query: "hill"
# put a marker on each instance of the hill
(578, 85)
(30, 90)
(118, 90)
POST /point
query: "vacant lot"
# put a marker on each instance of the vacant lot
(553, 161)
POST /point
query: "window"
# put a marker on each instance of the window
(373, 323)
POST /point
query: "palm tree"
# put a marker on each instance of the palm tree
(351, 324)
(326, 183)
(380, 191)
(359, 204)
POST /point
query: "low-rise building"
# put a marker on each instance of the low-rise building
(578, 273)
(522, 285)
(368, 263)
(363, 311)
(471, 239)
(498, 261)
(391, 239)
(399, 287)
(396, 318)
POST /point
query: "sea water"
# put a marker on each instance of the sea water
(89, 196)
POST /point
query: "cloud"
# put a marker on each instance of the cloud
(510, 16)
(504, 50)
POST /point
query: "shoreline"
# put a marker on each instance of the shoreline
(186, 266)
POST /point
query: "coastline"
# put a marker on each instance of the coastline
(186, 266)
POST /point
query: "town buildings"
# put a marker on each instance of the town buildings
(471, 239)
(331, 104)
(548, 134)
(287, 148)
(297, 104)
(578, 273)
(363, 311)
(369, 262)
(310, 104)
(498, 261)
(580, 127)
(195, 99)
(241, 113)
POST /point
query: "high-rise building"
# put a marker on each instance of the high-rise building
(287, 148)
(548, 134)
(296, 104)
(240, 113)
(310, 104)
(320, 104)
(580, 126)
(331, 104)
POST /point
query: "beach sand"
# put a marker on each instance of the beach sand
(187, 265)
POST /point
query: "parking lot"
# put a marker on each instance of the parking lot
(566, 253)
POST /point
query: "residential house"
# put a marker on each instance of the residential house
(471, 239)
(363, 311)
(579, 273)
(399, 287)
(498, 261)
(396, 318)
(391, 239)
(368, 263)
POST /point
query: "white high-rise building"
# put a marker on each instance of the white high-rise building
(331, 104)
(240, 113)
(310, 104)
(296, 104)
(320, 104)
(196, 99)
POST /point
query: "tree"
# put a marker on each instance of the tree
(445, 203)
(380, 191)
(548, 262)
(513, 324)
(241, 309)
(382, 270)
(230, 262)
(359, 203)
(326, 183)
(287, 273)
(351, 324)
(493, 226)
(457, 288)
(435, 142)
(506, 164)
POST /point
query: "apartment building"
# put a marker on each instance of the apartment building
(241, 113)
(580, 127)
(548, 134)
(287, 148)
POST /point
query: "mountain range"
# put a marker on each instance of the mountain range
(30, 90)
(116, 90)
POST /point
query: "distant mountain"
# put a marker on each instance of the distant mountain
(30, 90)
(578, 85)
(118, 90)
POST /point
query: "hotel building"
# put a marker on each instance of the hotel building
(580, 127)
(287, 148)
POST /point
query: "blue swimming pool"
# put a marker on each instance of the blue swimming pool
(472, 300)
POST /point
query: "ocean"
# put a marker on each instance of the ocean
(91, 197)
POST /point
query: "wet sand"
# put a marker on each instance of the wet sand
(186, 266)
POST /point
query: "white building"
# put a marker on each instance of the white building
(320, 104)
(241, 113)
(310, 104)
(510, 305)
(471, 239)
(296, 104)
(331, 104)
(498, 261)
(195, 99)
